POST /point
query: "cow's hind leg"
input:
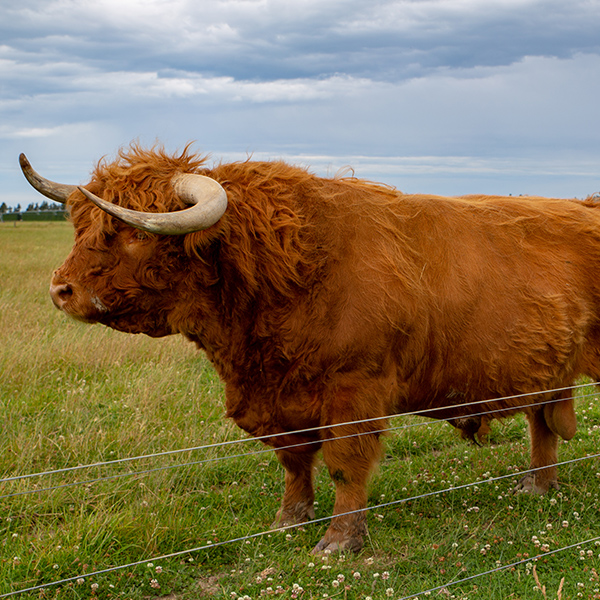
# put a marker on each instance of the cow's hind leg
(298, 498)
(546, 424)
(544, 455)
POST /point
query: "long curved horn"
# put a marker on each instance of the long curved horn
(208, 198)
(58, 192)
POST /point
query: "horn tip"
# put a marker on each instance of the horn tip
(23, 161)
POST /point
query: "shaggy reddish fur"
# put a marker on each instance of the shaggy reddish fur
(324, 301)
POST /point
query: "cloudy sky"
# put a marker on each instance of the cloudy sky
(440, 96)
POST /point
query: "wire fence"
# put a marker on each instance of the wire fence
(232, 443)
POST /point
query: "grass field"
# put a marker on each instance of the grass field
(73, 394)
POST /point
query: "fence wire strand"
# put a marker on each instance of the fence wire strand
(298, 432)
(231, 456)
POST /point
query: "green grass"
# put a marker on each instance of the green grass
(73, 394)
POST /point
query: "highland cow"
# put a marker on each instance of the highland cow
(327, 301)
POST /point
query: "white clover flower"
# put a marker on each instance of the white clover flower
(389, 592)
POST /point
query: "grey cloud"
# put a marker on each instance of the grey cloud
(389, 40)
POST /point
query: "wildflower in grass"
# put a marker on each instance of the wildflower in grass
(389, 592)
(385, 575)
(565, 524)
(80, 581)
(335, 583)
(94, 587)
(356, 575)
(154, 584)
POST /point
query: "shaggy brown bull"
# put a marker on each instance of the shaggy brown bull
(327, 301)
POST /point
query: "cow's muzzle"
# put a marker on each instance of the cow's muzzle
(60, 293)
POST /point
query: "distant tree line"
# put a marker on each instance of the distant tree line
(34, 207)
(44, 211)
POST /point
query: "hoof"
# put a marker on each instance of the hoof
(325, 546)
(530, 485)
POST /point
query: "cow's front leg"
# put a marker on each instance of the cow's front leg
(544, 453)
(350, 462)
(299, 496)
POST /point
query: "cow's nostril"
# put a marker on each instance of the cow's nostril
(61, 294)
